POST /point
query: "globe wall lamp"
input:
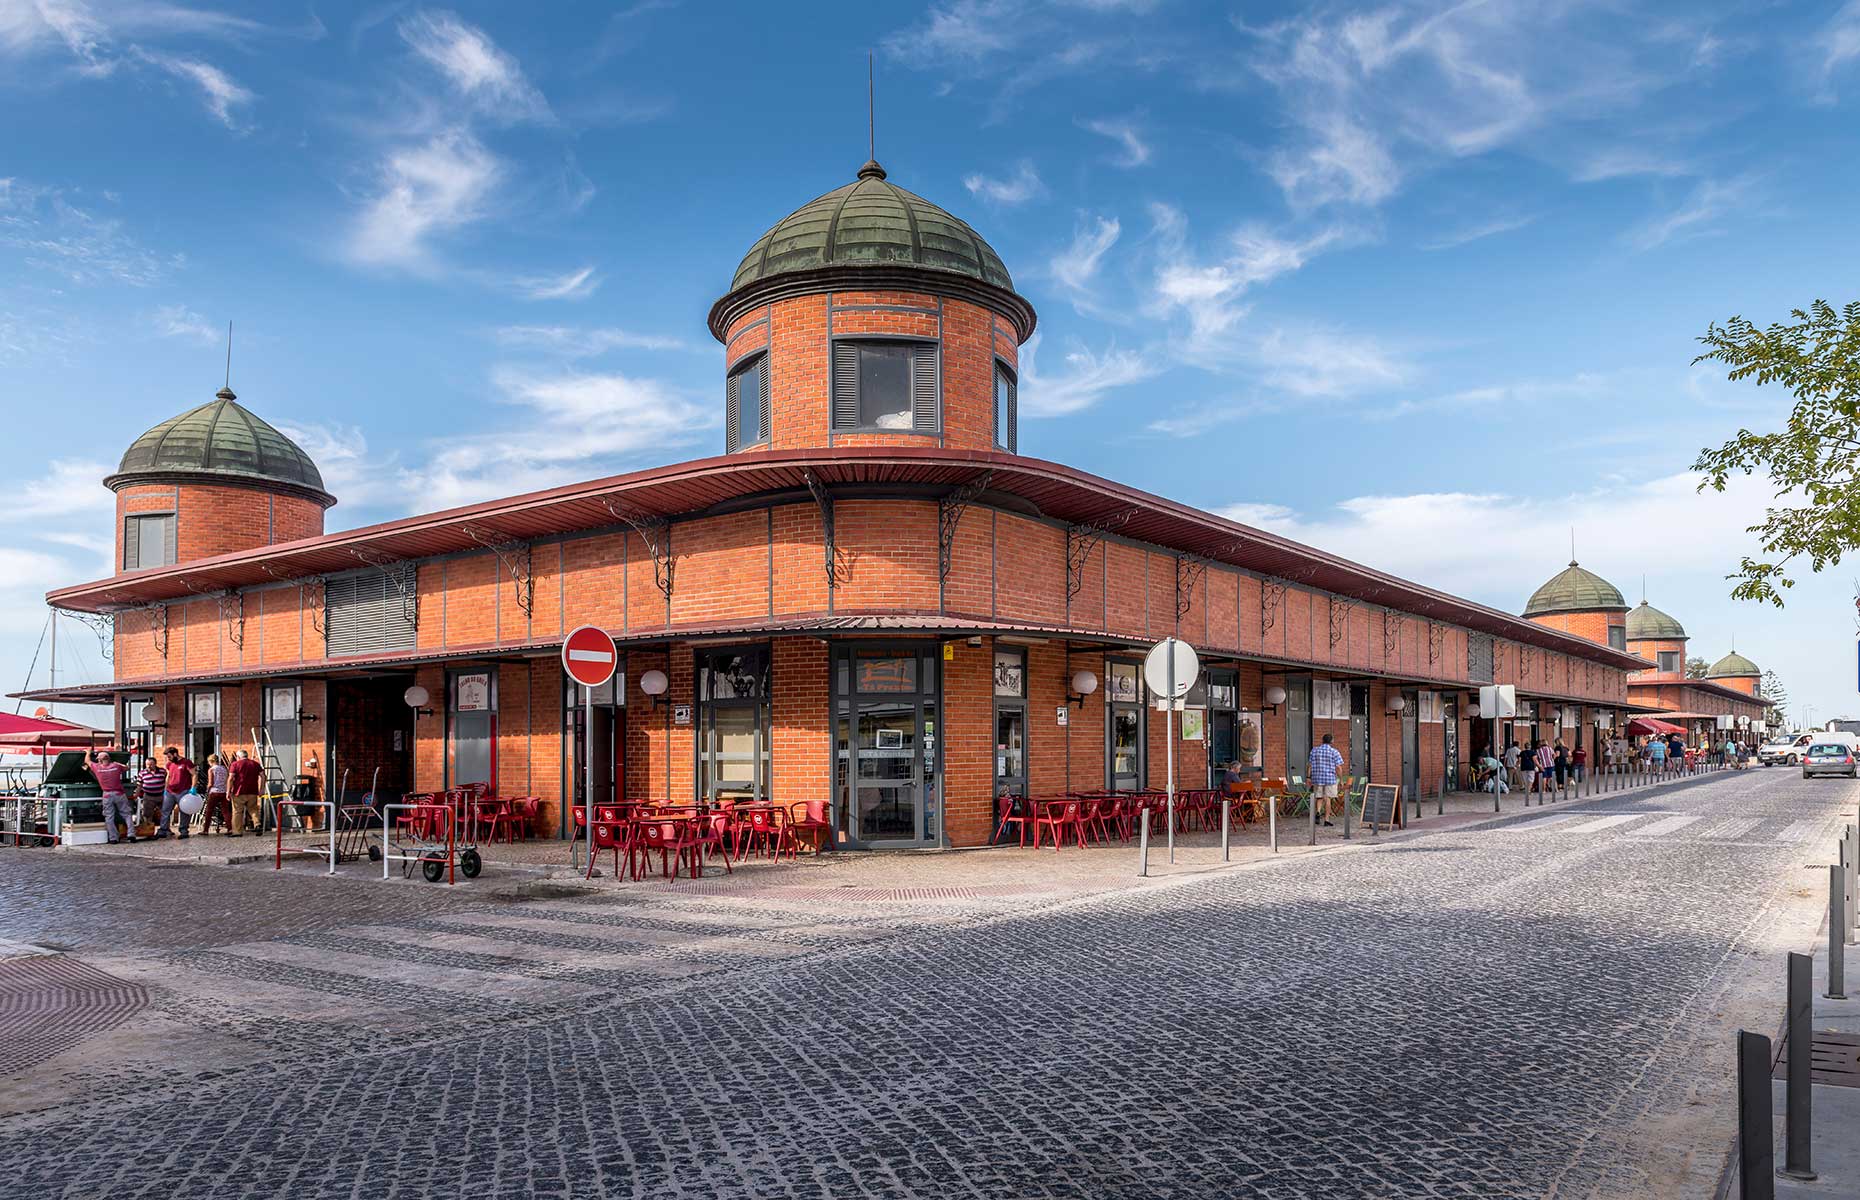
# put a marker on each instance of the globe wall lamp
(153, 717)
(654, 683)
(1275, 697)
(1084, 683)
(416, 698)
(1397, 702)
(1472, 711)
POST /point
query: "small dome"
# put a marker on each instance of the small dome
(1575, 590)
(224, 440)
(871, 225)
(1648, 624)
(1734, 666)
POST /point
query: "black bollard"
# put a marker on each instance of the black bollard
(1798, 1115)
(1756, 1134)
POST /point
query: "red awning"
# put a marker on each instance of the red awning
(1643, 726)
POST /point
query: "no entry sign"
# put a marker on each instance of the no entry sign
(589, 656)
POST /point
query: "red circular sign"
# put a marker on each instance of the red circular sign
(589, 656)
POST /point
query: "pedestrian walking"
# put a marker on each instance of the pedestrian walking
(1656, 755)
(1562, 765)
(1325, 762)
(1511, 764)
(1526, 770)
(178, 778)
(113, 779)
(243, 781)
(216, 797)
(1545, 759)
(1579, 762)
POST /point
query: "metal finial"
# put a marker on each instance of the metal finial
(229, 356)
(871, 113)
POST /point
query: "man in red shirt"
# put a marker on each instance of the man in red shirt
(110, 776)
(244, 781)
(178, 777)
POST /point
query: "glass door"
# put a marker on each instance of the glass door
(733, 725)
(887, 747)
(1123, 763)
(1297, 729)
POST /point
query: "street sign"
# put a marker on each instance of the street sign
(1156, 668)
(589, 656)
(1499, 701)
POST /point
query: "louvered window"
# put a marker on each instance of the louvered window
(148, 540)
(746, 405)
(1006, 389)
(1479, 657)
(365, 613)
(886, 387)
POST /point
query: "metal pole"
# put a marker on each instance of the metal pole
(1311, 803)
(1837, 932)
(1143, 840)
(1798, 1120)
(1169, 749)
(1756, 1133)
(1272, 821)
(1346, 809)
(587, 811)
(1851, 857)
(1226, 814)
(1498, 754)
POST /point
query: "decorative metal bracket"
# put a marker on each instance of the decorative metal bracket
(1271, 596)
(316, 595)
(1391, 633)
(513, 554)
(1588, 678)
(1339, 619)
(401, 576)
(1524, 663)
(1081, 540)
(1188, 571)
(232, 616)
(102, 624)
(824, 501)
(158, 626)
(1436, 641)
(949, 512)
(655, 531)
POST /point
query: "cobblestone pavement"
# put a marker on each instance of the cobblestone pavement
(1538, 1008)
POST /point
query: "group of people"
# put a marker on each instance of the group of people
(228, 790)
(1543, 767)
(1666, 754)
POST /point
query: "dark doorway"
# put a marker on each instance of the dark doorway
(1359, 730)
(370, 739)
(1297, 728)
(1411, 747)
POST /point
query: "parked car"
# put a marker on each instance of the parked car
(1829, 756)
(1788, 749)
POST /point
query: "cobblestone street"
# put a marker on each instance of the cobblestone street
(1539, 1007)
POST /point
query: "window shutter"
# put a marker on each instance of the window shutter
(363, 614)
(845, 385)
(132, 544)
(1013, 429)
(923, 390)
(768, 433)
(169, 554)
(732, 412)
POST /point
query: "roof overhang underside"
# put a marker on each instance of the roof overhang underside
(1699, 685)
(695, 488)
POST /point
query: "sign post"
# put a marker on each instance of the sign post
(1170, 670)
(589, 656)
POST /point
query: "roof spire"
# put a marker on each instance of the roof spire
(1572, 545)
(871, 169)
(226, 392)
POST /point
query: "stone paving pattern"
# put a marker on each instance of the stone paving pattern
(1524, 1010)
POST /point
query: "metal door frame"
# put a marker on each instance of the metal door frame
(845, 800)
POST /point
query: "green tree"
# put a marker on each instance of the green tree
(1696, 668)
(1811, 462)
(1772, 689)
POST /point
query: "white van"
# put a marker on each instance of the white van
(1786, 749)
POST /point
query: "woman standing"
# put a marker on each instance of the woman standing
(216, 796)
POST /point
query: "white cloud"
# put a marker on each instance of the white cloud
(1134, 151)
(69, 487)
(1479, 232)
(1701, 215)
(584, 343)
(478, 70)
(217, 89)
(1626, 163)
(1326, 362)
(423, 191)
(963, 30)
(1088, 375)
(1209, 292)
(75, 244)
(179, 321)
(1022, 186)
(1077, 265)
(1840, 38)
(574, 285)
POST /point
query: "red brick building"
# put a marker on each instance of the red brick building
(870, 598)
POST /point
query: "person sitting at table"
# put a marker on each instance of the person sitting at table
(1232, 779)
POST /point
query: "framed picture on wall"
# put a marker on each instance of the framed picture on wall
(1121, 683)
(205, 708)
(1194, 724)
(473, 694)
(1249, 739)
(1320, 701)
(1010, 673)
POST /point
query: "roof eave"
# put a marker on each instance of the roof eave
(865, 277)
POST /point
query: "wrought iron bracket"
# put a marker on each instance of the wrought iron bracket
(823, 500)
(103, 624)
(1271, 596)
(949, 512)
(232, 616)
(513, 555)
(401, 576)
(656, 532)
(1436, 642)
(1524, 663)
(1339, 619)
(1391, 633)
(158, 626)
(1188, 572)
(316, 596)
(1081, 540)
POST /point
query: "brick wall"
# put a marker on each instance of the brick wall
(213, 519)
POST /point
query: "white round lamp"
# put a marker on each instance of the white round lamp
(1397, 702)
(654, 683)
(1084, 683)
(1275, 696)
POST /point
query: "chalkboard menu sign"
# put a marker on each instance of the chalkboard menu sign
(1382, 805)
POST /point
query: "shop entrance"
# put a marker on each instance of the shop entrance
(888, 787)
(1411, 748)
(607, 740)
(370, 739)
(1359, 730)
(1125, 751)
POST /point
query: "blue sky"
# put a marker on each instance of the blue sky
(1418, 283)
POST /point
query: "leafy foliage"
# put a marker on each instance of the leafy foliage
(1696, 667)
(1772, 689)
(1811, 461)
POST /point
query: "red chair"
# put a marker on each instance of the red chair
(1007, 806)
(611, 832)
(710, 833)
(1101, 817)
(812, 820)
(769, 829)
(1060, 816)
(672, 838)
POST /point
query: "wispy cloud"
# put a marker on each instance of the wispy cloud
(75, 244)
(479, 71)
(1209, 291)
(1479, 232)
(572, 342)
(1314, 361)
(573, 285)
(1702, 214)
(179, 321)
(1020, 187)
(1133, 150)
(1840, 38)
(420, 192)
(218, 91)
(1628, 162)
(1077, 265)
(1087, 376)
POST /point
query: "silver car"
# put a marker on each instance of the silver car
(1829, 758)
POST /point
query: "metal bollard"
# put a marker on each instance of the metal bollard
(1756, 1132)
(1272, 821)
(1227, 807)
(1311, 802)
(1837, 931)
(1346, 816)
(1850, 858)
(1798, 1114)
(1143, 840)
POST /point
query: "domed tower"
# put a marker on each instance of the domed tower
(1658, 638)
(1582, 603)
(213, 480)
(1736, 671)
(871, 317)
